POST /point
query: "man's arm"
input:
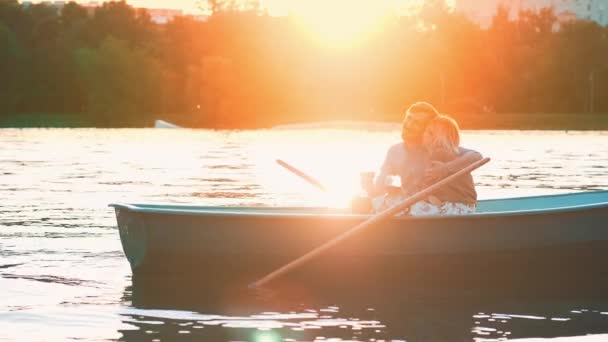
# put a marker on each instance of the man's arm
(441, 170)
(466, 158)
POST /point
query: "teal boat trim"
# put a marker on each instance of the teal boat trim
(544, 204)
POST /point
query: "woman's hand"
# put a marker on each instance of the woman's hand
(434, 200)
(436, 172)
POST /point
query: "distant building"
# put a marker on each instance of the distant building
(163, 15)
(566, 16)
(57, 4)
(199, 17)
(90, 6)
(482, 11)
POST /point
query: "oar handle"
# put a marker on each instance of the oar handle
(306, 177)
(369, 222)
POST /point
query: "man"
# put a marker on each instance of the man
(409, 159)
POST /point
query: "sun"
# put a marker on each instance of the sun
(339, 23)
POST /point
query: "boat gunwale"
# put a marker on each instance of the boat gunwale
(247, 211)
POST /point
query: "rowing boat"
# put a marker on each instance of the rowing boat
(507, 240)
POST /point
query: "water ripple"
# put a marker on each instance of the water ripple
(52, 279)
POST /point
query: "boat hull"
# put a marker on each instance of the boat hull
(532, 250)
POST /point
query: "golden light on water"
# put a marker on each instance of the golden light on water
(267, 336)
(333, 157)
(239, 168)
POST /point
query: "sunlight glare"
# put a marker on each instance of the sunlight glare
(267, 336)
(333, 157)
(340, 23)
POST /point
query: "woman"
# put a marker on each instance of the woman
(442, 142)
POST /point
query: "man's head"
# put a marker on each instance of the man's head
(417, 117)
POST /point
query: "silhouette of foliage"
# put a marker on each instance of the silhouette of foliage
(113, 66)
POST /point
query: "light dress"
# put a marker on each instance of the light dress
(422, 208)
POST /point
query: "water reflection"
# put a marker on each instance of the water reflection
(242, 314)
(194, 313)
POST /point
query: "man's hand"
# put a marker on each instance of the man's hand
(437, 171)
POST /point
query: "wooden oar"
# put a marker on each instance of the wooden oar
(306, 177)
(369, 222)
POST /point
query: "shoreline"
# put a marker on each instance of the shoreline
(469, 122)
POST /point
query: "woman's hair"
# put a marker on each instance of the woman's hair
(442, 138)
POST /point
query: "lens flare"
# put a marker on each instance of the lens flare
(267, 336)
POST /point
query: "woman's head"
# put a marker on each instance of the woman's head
(417, 117)
(442, 138)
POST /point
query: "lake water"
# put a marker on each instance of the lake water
(63, 275)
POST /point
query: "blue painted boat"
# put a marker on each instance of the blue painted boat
(515, 241)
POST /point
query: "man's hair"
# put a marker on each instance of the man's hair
(419, 107)
(423, 107)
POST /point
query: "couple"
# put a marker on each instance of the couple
(430, 151)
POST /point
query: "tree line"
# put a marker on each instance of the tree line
(115, 67)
